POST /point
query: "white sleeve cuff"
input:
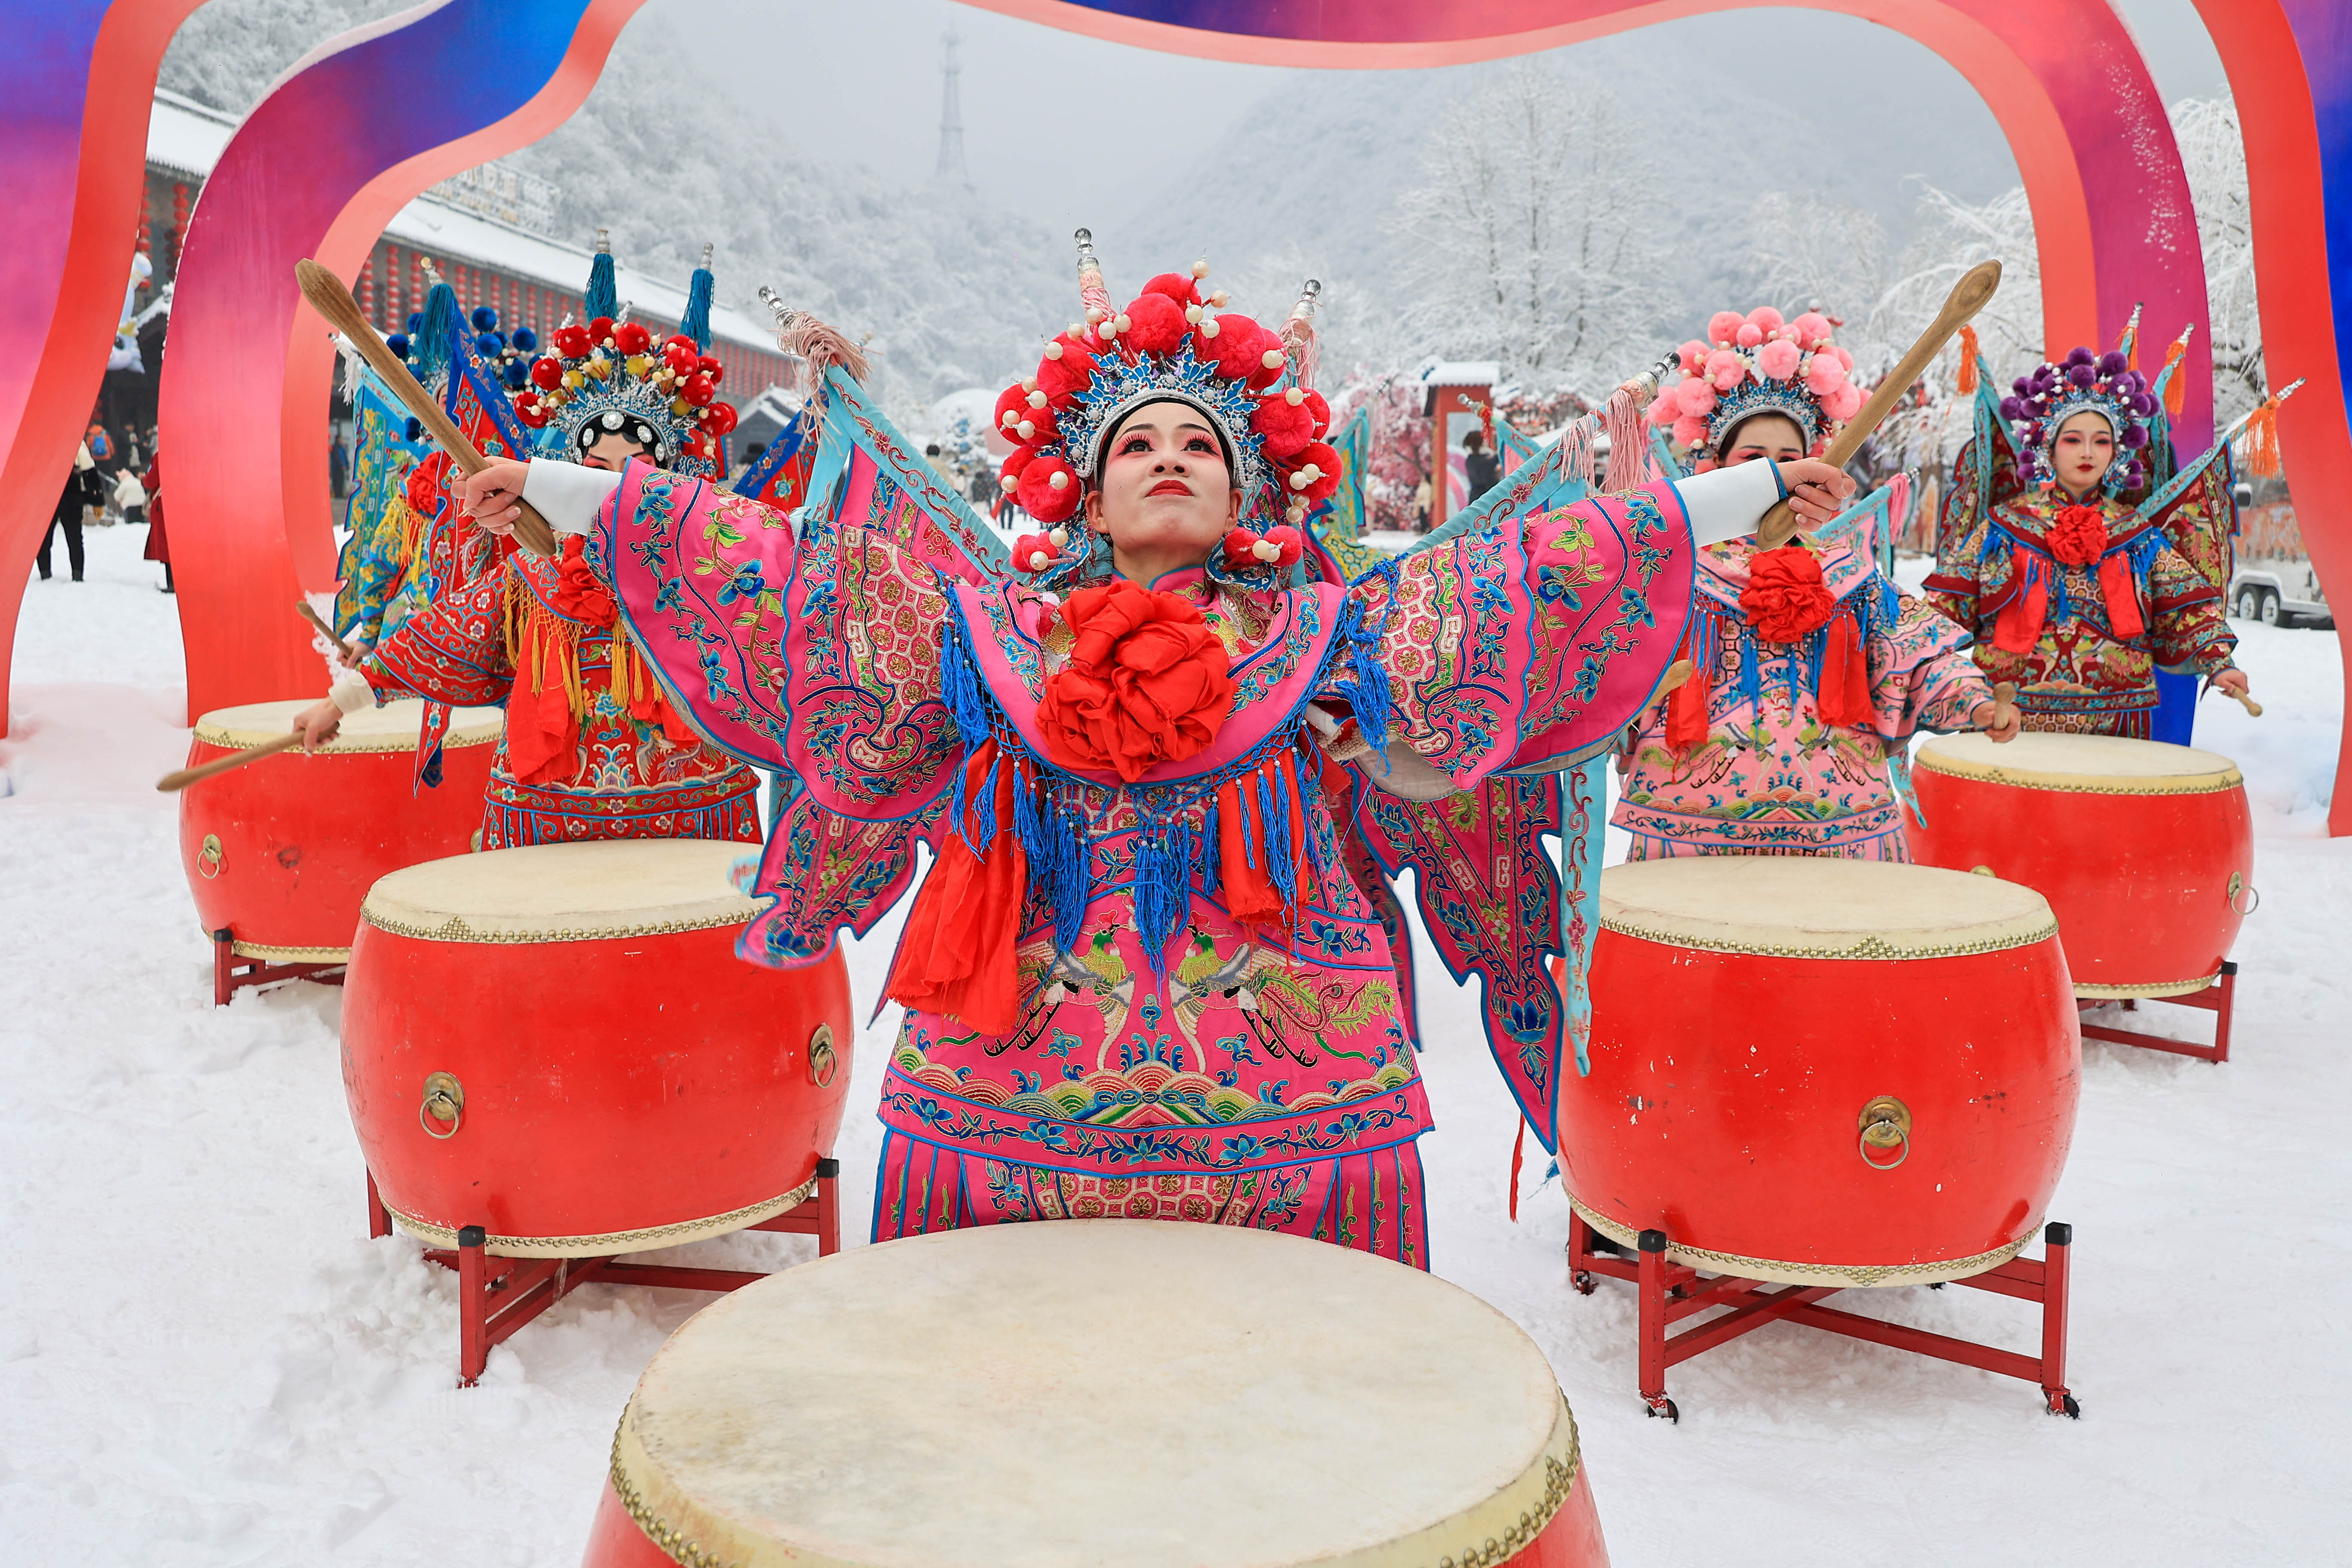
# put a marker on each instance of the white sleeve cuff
(351, 693)
(567, 494)
(1724, 503)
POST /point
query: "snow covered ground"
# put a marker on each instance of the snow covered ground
(203, 1361)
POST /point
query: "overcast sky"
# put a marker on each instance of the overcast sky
(1048, 115)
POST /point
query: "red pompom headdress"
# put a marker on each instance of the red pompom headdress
(1172, 343)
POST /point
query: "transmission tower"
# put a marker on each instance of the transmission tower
(950, 118)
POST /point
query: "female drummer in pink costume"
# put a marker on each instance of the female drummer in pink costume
(1139, 979)
(1810, 669)
(591, 749)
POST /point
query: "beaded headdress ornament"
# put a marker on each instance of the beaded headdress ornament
(2040, 402)
(1170, 344)
(609, 376)
(1758, 363)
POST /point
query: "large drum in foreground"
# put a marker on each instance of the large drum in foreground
(2144, 851)
(280, 852)
(1822, 1071)
(1079, 1392)
(557, 1044)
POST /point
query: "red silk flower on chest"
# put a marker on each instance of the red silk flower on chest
(578, 592)
(2079, 536)
(1147, 682)
(1785, 598)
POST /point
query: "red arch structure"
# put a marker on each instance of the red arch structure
(74, 127)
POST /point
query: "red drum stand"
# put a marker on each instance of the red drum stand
(497, 1296)
(2220, 999)
(231, 970)
(1671, 1292)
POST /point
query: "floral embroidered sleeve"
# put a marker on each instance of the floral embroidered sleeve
(816, 651)
(452, 650)
(1924, 676)
(1526, 643)
(2189, 628)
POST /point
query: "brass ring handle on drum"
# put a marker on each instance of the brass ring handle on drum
(1885, 1123)
(823, 1061)
(208, 858)
(2240, 886)
(445, 1100)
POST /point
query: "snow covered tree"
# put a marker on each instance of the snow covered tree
(1538, 239)
(2213, 152)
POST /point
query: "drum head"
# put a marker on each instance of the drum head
(564, 892)
(1817, 907)
(2093, 764)
(394, 727)
(1090, 1392)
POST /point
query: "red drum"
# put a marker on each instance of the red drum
(280, 852)
(1822, 1071)
(2144, 851)
(558, 1043)
(1107, 1391)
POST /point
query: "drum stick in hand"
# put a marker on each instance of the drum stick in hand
(172, 783)
(342, 649)
(1968, 296)
(2253, 709)
(2004, 704)
(332, 299)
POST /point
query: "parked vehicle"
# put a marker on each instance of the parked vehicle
(2274, 583)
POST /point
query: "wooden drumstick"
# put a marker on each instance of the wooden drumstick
(2004, 704)
(2253, 709)
(1676, 673)
(1968, 296)
(172, 783)
(342, 649)
(332, 299)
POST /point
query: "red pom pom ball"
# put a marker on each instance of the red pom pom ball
(1049, 489)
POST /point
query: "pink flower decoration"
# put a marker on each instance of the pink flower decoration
(1823, 374)
(1696, 397)
(1723, 326)
(1812, 330)
(1690, 432)
(1694, 354)
(1844, 403)
(1843, 358)
(1666, 409)
(1777, 359)
(1749, 335)
(1726, 368)
(1764, 318)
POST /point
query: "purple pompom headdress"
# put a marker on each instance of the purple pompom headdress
(2040, 402)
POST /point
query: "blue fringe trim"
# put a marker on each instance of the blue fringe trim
(1273, 821)
(1163, 881)
(603, 295)
(1366, 686)
(695, 322)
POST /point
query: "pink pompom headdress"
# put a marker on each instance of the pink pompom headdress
(1172, 343)
(1758, 363)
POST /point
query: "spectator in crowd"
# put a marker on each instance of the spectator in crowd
(1479, 466)
(159, 547)
(85, 487)
(1420, 493)
(339, 467)
(98, 445)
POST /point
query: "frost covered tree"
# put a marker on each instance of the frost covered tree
(1537, 233)
(2213, 152)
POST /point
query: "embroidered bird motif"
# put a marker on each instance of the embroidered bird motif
(1094, 970)
(1203, 978)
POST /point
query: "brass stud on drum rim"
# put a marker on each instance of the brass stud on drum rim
(823, 1061)
(1885, 1123)
(445, 1100)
